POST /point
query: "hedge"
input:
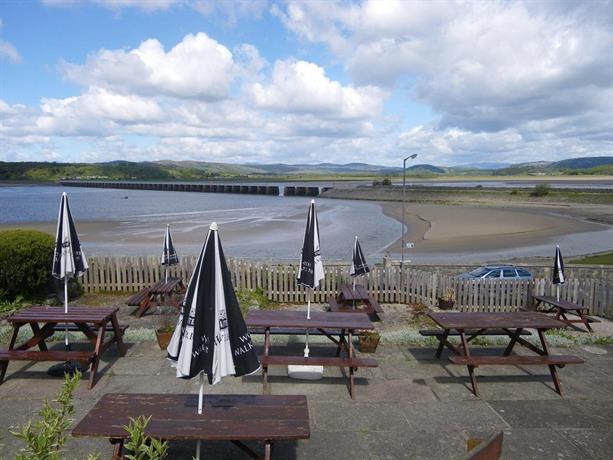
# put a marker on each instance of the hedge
(25, 263)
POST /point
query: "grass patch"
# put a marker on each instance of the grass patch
(599, 259)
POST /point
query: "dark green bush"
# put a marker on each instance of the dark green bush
(541, 190)
(25, 263)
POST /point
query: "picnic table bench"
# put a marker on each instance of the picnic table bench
(329, 324)
(561, 308)
(164, 292)
(355, 300)
(94, 322)
(234, 418)
(512, 324)
(442, 334)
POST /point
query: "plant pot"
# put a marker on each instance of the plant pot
(368, 343)
(445, 304)
(163, 338)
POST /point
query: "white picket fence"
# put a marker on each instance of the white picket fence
(385, 283)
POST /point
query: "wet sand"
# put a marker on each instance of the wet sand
(478, 233)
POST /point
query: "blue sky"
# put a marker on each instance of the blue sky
(290, 81)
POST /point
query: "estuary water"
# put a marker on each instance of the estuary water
(131, 222)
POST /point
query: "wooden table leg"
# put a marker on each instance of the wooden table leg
(118, 449)
(265, 387)
(42, 346)
(585, 320)
(471, 369)
(441, 344)
(5, 364)
(121, 348)
(351, 369)
(341, 343)
(552, 368)
(98, 352)
(514, 336)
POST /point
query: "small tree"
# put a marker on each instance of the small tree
(386, 181)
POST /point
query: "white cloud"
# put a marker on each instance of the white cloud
(303, 87)
(9, 52)
(197, 67)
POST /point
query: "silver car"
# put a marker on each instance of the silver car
(509, 272)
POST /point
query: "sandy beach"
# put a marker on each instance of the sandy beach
(454, 231)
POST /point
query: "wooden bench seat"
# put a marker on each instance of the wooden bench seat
(139, 299)
(453, 332)
(546, 360)
(297, 331)
(35, 355)
(277, 360)
(73, 328)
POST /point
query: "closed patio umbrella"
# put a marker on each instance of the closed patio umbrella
(68, 262)
(558, 271)
(310, 273)
(211, 336)
(169, 254)
(358, 262)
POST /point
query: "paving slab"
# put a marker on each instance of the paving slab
(595, 444)
(358, 416)
(555, 414)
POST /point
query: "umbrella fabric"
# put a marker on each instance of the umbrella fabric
(558, 268)
(169, 254)
(68, 258)
(211, 335)
(311, 270)
(358, 261)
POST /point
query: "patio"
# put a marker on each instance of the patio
(411, 406)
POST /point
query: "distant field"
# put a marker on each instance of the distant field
(600, 259)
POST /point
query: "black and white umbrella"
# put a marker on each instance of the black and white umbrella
(211, 336)
(169, 253)
(558, 271)
(358, 262)
(68, 259)
(311, 270)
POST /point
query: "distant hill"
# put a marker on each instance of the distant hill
(426, 169)
(202, 170)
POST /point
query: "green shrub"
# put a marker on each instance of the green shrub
(386, 181)
(514, 192)
(142, 447)
(45, 437)
(541, 190)
(25, 263)
(252, 299)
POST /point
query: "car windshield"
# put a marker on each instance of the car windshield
(479, 272)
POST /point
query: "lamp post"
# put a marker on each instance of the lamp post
(404, 183)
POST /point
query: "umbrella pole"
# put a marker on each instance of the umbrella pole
(306, 345)
(166, 273)
(200, 397)
(558, 292)
(66, 312)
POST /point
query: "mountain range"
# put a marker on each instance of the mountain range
(200, 170)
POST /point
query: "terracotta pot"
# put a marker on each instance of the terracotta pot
(368, 343)
(445, 304)
(163, 338)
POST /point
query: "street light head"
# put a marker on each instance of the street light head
(412, 157)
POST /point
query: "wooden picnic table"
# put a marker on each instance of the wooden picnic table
(325, 323)
(513, 325)
(235, 418)
(164, 292)
(561, 308)
(355, 300)
(44, 321)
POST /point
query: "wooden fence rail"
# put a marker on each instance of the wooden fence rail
(385, 283)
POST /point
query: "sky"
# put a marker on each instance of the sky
(266, 81)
